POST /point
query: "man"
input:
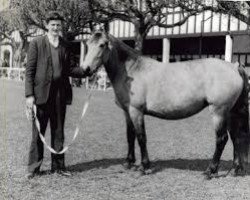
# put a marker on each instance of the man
(47, 86)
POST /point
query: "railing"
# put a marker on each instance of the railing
(101, 82)
(12, 73)
(18, 74)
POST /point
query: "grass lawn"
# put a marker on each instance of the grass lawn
(179, 150)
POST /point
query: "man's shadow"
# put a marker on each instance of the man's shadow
(157, 165)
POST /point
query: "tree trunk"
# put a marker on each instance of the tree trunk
(139, 42)
(141, 31)
(18, 55)
(19, 52)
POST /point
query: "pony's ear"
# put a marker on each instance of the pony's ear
(106, 27)
(93, 30)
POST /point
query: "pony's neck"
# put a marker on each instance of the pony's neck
(120, 54)
(124, 51)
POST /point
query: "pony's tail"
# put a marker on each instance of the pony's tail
(240, 119)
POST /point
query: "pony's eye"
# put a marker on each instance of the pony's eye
(102, 45)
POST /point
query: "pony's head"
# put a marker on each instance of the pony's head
(97, 51)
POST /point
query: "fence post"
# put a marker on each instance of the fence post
(19, 74)
(87, 83)
(8, 73)
(105, 83)
(228, 48)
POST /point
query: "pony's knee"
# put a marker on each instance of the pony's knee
(222, 139)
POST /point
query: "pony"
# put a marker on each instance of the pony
(171, 91)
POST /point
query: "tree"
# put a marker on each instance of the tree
(145, 14)
(27, 16)
(238, 9)
(11, 22)
(75, 13)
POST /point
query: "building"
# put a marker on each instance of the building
(204, 35)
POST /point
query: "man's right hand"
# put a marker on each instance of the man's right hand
(29, 107)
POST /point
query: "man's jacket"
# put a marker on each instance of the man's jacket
(39, 70)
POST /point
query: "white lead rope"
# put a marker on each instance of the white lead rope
(85, 107)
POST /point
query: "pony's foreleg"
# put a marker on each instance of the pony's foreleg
(130, 160)
(221, 140)
(137, 118)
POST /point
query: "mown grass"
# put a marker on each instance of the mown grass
(179, 150)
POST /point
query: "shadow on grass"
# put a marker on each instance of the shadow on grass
(189, 164)
(103, 163)
(157, 166)
(197, 165)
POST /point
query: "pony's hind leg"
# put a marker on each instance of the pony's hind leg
(130, 160)
(220, 125)
(239, 127)
(239, 133)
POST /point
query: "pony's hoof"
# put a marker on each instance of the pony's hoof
(237, 172)
(145, 171)
(208, 175)
(128, 165)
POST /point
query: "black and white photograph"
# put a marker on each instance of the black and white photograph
(124, 99)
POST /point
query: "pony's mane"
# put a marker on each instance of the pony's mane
(124, 49)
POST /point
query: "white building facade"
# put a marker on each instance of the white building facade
(205, 35)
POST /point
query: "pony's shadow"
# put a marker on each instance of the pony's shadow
(95, 164)
(188, 164)
(157, 165)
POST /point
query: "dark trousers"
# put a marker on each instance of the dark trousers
(54, 111)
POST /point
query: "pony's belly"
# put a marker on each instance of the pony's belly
(166, 111)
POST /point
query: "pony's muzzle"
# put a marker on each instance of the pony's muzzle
(88, 70)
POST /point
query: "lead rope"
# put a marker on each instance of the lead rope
(37, 123)
(85, 107)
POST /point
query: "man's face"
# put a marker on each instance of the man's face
(54, 27)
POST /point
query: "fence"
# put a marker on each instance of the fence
(18, 74)
(12, 73)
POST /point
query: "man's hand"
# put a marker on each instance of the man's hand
(29, 107)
